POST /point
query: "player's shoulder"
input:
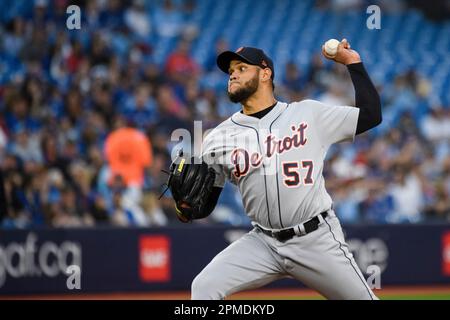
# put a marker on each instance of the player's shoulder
(307, 103)
(304, 107)
(218, 131)
(221, 127)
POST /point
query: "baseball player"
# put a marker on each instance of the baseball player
(274, 152)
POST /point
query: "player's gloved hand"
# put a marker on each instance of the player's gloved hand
(184, 213)
(191, 182)
(344, 54)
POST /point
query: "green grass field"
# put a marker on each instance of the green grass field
(430, 296)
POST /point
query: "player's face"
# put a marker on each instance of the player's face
(243, 81)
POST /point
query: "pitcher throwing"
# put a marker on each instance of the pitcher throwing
(274, 152)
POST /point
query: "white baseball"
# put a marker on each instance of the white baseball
(331, 47)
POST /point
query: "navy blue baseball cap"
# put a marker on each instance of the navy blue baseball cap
(253, 56)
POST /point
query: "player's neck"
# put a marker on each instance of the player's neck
(258, 102)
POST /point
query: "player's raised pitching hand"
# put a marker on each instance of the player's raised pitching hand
(344, 54)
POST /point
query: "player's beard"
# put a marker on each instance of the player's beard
(246, 91)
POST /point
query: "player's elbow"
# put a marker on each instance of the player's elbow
(375, 115)
(368, 120)
(378, 118)
(375, 121)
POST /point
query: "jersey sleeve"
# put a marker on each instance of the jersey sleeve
(212, 158)
(334, 123)
(220, 176)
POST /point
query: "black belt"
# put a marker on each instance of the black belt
(286, 234)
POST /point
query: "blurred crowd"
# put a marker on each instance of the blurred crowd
(74, 103)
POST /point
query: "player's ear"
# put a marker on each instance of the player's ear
(266, 74)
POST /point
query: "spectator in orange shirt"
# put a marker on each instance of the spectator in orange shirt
(128, 152)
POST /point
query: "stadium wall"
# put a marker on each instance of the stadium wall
(167, 259)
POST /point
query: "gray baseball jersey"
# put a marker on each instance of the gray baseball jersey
(277, 161)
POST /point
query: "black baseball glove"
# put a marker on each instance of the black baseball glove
(191, 182)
